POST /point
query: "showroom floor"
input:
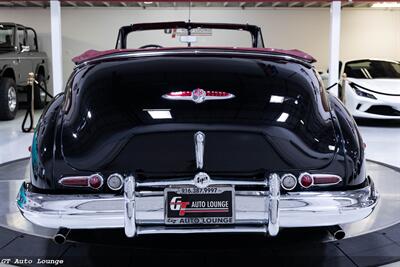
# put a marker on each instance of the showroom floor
(13, 142)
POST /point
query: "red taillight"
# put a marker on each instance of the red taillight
(75, 181)
(326, 179)
(94, 181)
(180, 93)
(30, 148)
(305, 180)
(217, 93)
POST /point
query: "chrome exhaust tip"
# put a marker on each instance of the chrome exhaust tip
(61, 236)
(337, 232)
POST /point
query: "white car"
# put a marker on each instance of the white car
(371, 88)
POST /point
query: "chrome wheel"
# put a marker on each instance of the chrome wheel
(12, 98)
(42, 94)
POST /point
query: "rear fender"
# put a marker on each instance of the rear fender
(351, 142)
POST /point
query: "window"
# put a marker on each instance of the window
(31, 40)
(21, 37)
(199, 37)
(6, 37)
(373, 69)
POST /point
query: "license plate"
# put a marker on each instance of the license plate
(191, 205)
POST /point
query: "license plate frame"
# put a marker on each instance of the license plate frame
(212, 205)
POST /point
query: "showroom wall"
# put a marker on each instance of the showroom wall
(365, 32)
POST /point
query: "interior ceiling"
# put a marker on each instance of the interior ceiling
(194, 4)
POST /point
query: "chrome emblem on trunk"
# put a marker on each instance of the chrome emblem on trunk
(199, 139)
(202, 180)
(199, 95)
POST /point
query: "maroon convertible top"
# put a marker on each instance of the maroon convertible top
(94, 54)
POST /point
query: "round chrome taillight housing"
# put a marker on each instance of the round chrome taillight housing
(115, 181)
(306, 180)
(288, 181)
(95, 181)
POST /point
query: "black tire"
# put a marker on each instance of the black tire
(8, 99)
(40, 96)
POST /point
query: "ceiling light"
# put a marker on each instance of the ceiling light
(386, 4)
(159, 113)
(283, 117)
(148, 3)
(276, 99)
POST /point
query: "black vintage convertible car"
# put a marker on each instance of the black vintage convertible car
(204, 138)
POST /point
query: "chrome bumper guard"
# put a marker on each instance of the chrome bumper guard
(142, 211)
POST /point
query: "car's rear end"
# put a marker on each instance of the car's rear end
(192, 141)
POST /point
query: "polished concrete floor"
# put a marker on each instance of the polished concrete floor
(382, 139)
(13, 142)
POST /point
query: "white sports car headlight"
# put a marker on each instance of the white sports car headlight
(360, 92)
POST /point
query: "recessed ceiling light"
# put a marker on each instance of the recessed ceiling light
(386, 4)
(283, 117)
(276, 99)
(159, 113)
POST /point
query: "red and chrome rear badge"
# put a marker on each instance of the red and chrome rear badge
(198, 95)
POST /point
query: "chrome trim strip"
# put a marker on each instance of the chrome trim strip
(194, 52)
(213, 182)
(252, 210)
(273, 206)
(207, 230)
(189, 98)
(199, 140)
(129, 214)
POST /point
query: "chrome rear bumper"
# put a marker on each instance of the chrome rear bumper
(142, 212)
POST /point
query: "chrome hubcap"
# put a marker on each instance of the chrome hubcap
(42, 94)
(12, 99)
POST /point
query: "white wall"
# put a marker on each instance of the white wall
(97, 28)
(370, 33)
(365, 32)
